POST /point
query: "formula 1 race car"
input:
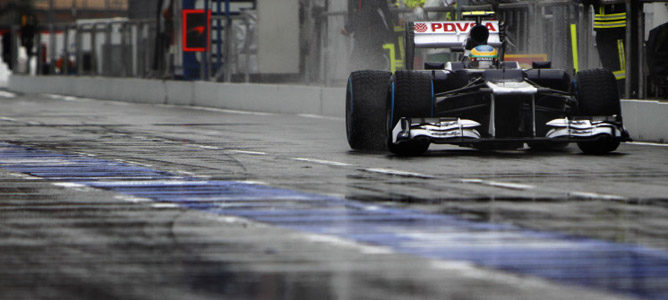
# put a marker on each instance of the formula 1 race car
(480, 101)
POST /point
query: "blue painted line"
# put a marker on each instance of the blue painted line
(621, 268)
(92, 178)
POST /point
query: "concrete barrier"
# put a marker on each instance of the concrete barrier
(274, 98)
(645, 120)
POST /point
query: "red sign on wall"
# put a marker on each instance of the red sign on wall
(196, 30)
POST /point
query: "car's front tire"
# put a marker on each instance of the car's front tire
(366, 106)
(412, 96)
(597, 95)
(603, 145)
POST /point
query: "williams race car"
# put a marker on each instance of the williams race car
(480, 101)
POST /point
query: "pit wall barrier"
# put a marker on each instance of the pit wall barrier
(646, 120)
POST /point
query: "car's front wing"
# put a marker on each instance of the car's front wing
(458, 131)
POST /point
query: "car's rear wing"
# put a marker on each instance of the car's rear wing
(451, 34)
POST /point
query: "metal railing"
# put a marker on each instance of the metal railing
(240, 51)
(107, 48)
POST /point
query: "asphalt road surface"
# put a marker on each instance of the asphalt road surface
(104, 199)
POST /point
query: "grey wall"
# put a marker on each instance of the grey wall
(278, 36)
(646, 120)
(289, 99)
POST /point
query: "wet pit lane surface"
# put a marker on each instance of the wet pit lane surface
(116, 200)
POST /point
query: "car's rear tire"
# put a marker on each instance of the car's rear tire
(413, 97)
(597, 95)
(366, 106)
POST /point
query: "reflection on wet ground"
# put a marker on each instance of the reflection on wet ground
(617, 267)
(629, 221)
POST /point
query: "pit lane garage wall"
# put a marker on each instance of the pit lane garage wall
(646, 120)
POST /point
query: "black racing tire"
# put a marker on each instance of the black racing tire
(366, 106)
(597, 95)
(412, 96)
(603, 145)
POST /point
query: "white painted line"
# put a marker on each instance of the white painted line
(85, 154)
(52, 96)
(398, 173)
(371, 208)
(91, 99)
(321, 117)
(165, 205)
(452, 265)
(588, 195)
(69, 185)
(255, 182)
(4, 94)
(205, 147)
(75, 186)
(51, 162)
(71, 98)
(79, 99)
(137, 163)
(248, 152)
(8, 119)
(322, 162)
(340, 242)
(507, 185)
(82, 99)
(185, 173)
(24, 176)
(232, 220)
(61, 97)
(647, 144)
(229, 111)
(132, 199)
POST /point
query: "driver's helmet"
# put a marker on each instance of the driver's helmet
(483, 57)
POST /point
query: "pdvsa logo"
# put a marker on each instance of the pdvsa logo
(420, 27)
